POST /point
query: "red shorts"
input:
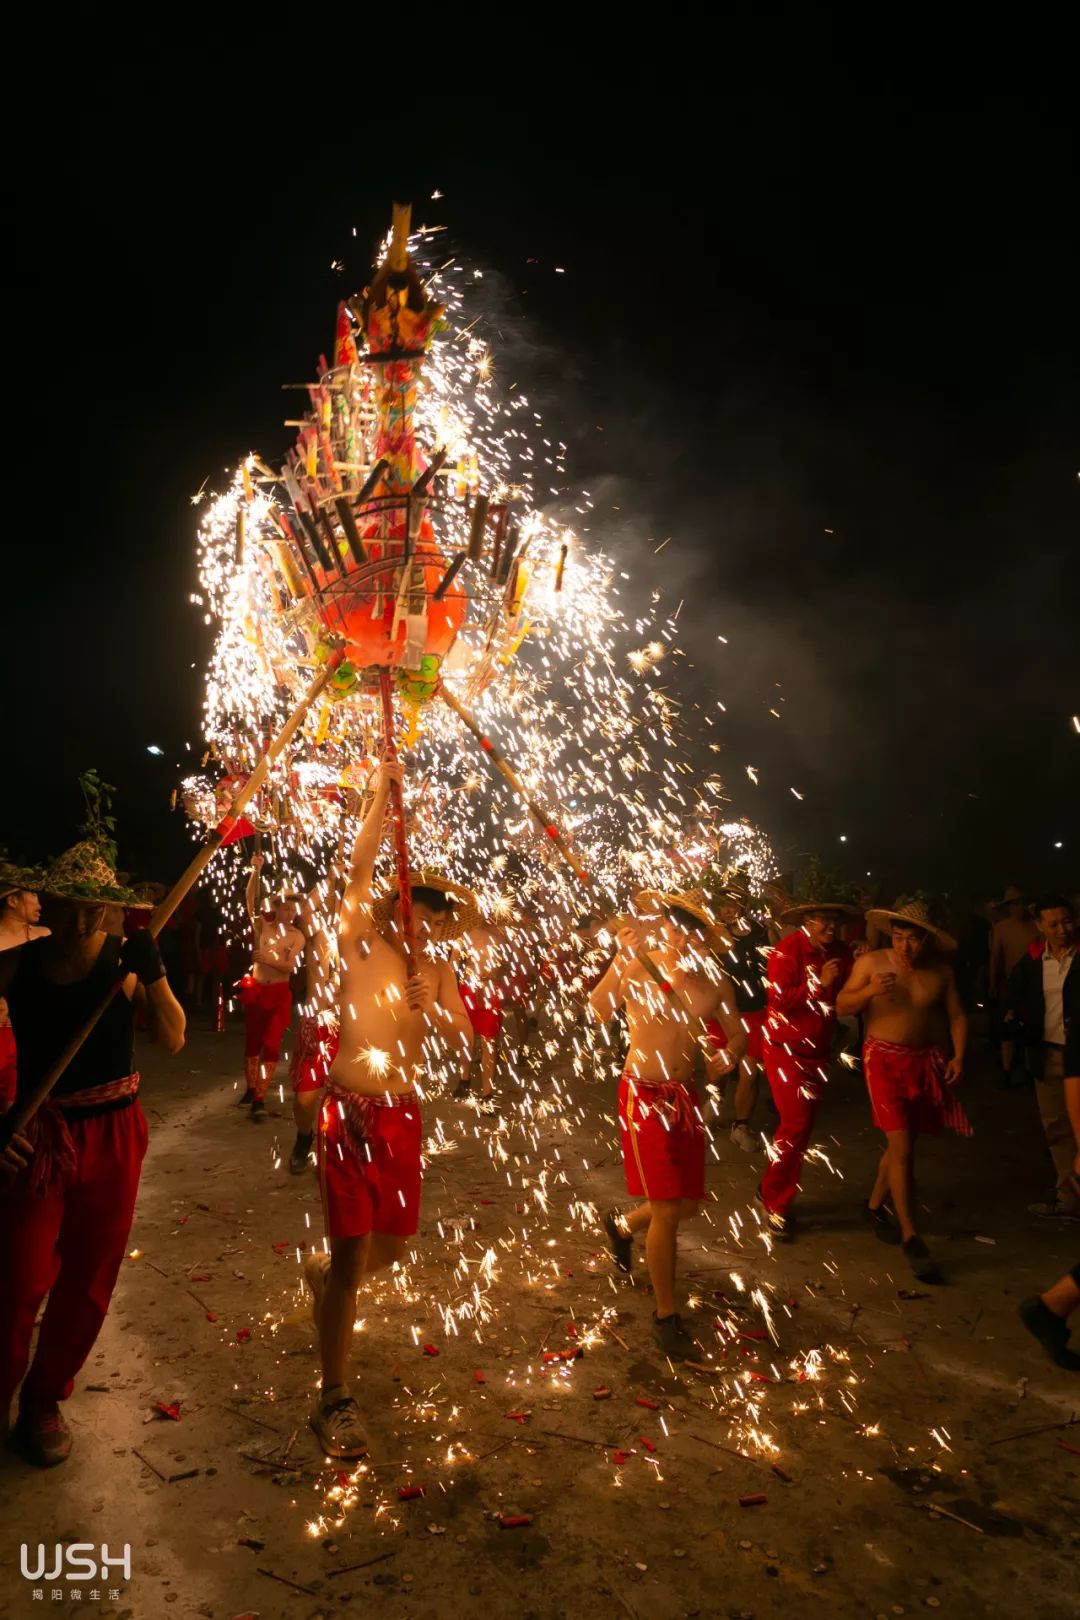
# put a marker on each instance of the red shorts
(484, 1016)
(908, 1091)
(214, 959)
(753, 1023)
(267, 1010)
(368, 1152)
(663, 1139)
(316, 1048)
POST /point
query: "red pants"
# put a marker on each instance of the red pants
(663, 1140)
(8, 1068)
(267, 1010)
(68, 1243)
(369, 1158)
(796, 1085)
(485, 1015)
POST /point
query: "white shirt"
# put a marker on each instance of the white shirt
(1054, 972)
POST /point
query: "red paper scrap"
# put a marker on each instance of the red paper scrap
(279, 1248)
(752, 1333)
(571, 1329)
(646, 1443)
(519, 1417)
(479, 1377)
(430, 1350)
(759, 1378)
(210, 1317)
(643, 1400)
(172, 1410)
(200, 1276)
(407, 1493)
(243, 1335)
(1065, 1446)
(601, 1392)
(575, 1353)
(780, 1474)
(515, 1521)
(752, 1501)
(622, 1457)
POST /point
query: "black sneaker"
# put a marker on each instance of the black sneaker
(1051, 1332)
(248, 1097)
(620, 1243)
(258, 1110)
(300, 1157)
(883, 1221)
(921, 1260)
(781, 1227)
(671, 1335)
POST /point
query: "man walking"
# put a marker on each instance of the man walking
(264, 992)
(912, 1010)
(1042, 988)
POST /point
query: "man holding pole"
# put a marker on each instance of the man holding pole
(369, 1137)
(69, 1179)
(663, 1133)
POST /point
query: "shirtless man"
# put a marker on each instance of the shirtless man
(908, 998)
(369, 1131)
(264, 992)
(663, 1134)
(317, 1034)
(1013, 931)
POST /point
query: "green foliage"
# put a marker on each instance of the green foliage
(816, 882)
(100, 824)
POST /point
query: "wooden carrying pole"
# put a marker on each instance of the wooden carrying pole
(401, 846)
(21, 1114)
(551, 831)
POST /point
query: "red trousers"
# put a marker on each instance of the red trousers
(796, 1085)
(267, 1010)
(67, 1242)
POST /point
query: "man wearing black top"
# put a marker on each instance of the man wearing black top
(68, 1184)
(745, 963)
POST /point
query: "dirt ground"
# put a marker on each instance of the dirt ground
(795, 1478)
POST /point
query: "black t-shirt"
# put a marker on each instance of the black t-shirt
(45, 1016)
(746, 966)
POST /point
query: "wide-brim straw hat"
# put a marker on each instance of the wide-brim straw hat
(83, 875)
(19, 879)
(464, 916)
(1012, 897)
(915, 913)
(795, 914)
(695, 901)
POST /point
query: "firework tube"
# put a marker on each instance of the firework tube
(423, 483)
(500, 536)
(554, 835)
(401, 846)
(370, 481)
(444, 584)
(562, 567)
(477, 528)
(21, 1114)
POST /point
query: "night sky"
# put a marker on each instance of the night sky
(826, 340)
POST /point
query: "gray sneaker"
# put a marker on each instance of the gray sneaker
(43, 1437)
(335, 1417)
(743, 1137)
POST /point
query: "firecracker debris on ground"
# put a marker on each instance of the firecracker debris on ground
(900, 1447)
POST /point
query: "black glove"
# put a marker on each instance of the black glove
(141, 956)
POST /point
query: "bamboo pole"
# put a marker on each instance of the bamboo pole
(21, 1114)
(401, 845)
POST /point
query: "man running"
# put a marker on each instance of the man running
(264, 992)
(806, 969)
(660, 1120)
(911, 1008)
(369, 1132)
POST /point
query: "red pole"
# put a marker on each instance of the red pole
(400, 844)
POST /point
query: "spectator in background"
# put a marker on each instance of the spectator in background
(1012, 933)
(1042, 995)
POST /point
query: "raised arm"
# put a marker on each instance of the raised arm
(356, 901)
(609, 995)
(958, 1027)
(252, 885)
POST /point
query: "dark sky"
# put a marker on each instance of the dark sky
(824, 335)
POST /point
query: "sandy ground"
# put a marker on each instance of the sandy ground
(874, 1407)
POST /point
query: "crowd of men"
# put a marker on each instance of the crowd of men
(706, 993)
